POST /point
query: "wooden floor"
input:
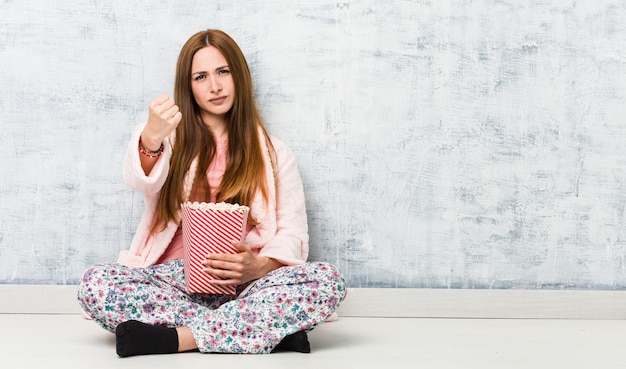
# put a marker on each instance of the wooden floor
(69, 341)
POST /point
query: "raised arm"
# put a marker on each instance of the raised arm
(163, 117)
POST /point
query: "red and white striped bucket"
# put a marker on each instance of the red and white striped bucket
(209, 228)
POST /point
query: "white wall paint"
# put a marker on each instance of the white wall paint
(463, 144)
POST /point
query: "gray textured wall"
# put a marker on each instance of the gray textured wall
(463, 144)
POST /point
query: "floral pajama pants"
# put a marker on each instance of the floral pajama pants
(286, 300)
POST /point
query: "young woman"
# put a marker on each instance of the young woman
(209, 144)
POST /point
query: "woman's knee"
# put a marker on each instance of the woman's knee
(327, 288)
(332, 275)
(329, 281)
(88, 279)
(95, 286)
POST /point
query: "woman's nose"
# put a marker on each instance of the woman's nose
(214, 85)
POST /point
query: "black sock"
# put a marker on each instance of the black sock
(137, 338)
(298, 342)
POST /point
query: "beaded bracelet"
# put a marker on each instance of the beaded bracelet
(150, 153)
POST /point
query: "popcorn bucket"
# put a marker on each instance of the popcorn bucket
(209, 228)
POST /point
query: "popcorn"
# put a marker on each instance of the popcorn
(209, 228)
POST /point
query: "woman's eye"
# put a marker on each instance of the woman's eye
(200, 77)
(224, 71)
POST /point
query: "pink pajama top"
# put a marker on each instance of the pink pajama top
(281, 230)
(215, 173)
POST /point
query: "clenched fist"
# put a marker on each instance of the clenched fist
(163, 118)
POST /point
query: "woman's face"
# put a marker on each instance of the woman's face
(212, 83)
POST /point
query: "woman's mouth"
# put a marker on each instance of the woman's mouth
(217, 100)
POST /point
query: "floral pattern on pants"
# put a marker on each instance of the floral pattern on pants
(286, 300)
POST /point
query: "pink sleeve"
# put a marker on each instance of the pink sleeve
(133, 173)
(290, 245)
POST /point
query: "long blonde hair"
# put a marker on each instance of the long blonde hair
(245, 169)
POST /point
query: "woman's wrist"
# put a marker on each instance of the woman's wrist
(267, 265)
(146, 150)
(150, 141)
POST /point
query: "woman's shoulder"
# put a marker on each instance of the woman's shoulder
(277, 142)
(280, 147)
